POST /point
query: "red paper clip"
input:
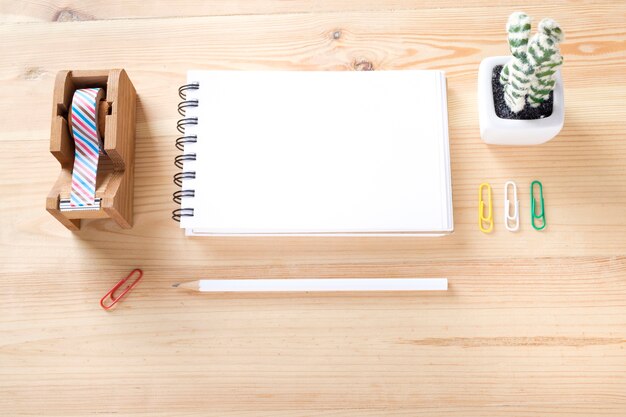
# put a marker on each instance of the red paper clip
(111, 294)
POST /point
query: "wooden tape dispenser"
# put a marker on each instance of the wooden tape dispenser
(93, 138)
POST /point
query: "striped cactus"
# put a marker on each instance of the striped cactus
(515, 75)
(544, 55)
(529, 74)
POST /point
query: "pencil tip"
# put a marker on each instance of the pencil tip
(175, 285)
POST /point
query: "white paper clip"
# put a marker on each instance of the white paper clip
(511, 221)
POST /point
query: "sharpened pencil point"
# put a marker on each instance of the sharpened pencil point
(175, 285)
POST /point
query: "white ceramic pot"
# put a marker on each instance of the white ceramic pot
(497, 131)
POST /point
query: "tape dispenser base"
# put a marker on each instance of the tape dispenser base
(116, 124)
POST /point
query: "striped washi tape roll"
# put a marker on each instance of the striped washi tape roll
(87, 146)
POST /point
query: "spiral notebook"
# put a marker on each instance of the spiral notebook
(314, 153)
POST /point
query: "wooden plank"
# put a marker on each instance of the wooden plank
(73, 10)
(542, 335)
(454, 40)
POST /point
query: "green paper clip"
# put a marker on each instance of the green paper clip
(533, 211)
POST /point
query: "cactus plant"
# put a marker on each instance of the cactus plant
(530, 73)
(515, 76)
(545, 56)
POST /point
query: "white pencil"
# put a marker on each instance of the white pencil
(316, 285)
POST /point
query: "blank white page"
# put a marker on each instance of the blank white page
(319, 152)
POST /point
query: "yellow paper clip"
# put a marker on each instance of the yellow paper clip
(482, 219)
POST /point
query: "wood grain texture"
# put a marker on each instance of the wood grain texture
(80, 10)
(533, 323)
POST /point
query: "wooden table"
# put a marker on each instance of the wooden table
(534, 323)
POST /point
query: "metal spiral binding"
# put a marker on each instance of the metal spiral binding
(182, 212)
(185, 104)
(184, 175)
(182, 91)
(178, 161)
(181, 141)
(180, 194)
(184, 122)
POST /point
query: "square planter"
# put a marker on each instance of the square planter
(497, 131)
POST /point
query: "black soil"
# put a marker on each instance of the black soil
(502, 110)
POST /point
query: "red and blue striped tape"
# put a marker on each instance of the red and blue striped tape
(87, 147)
